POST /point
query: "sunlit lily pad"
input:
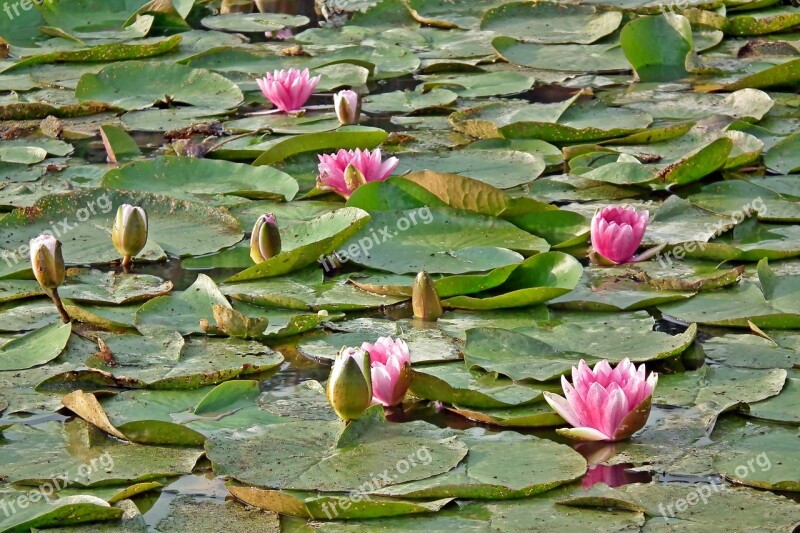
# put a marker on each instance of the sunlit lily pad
(138, 85)
(198, 177)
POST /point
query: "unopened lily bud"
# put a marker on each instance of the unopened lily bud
(425, 300)
(47, 261)
(348, 107)
(265, 241)
(349, 387)
(353, 178)
(129, 233)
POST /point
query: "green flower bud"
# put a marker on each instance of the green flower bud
(425, 300)
(349, 387)
(47, 261)
(265, 241)
(129, 233)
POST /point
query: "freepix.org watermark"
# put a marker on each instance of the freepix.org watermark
(387, 477)
(59, 481)
(701, 493)
(756, 206)
(12, 9)
(376, 238)
(60, 228)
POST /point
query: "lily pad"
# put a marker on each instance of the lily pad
(139, 85)
(82, 220)
(551, 23)
(34, 348)
(167, 175)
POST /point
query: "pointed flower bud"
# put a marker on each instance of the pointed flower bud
(617, 232)
(425, 300)
(129, 233)
(349, 387)
(265, 241)
(47, 261)
(348, 107)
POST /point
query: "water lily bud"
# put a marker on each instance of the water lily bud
(129, 233)
(265, 241)
(349, 387)
(617, 232)
(348, 107)
(425, 300)
(47, 261)
(353, 178)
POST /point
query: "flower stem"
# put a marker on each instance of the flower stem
(60, 306)
(127, 261)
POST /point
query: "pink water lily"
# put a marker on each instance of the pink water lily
(347, 170)
(391, 370)
(289, 89)
(617, 232)
(604, 404)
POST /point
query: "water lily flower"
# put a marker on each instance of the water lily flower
(288, 89)
(349, 387)
(604, 404)
(47, 263)
(129, 233)
(265, 241)
(281, 35)
(347, 170)
(391, 370)
(617, 232)
(348, 107)
(425, 300)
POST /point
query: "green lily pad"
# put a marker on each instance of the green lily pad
(45, 512)
(328, 461)
(782, 158)
(409, 102)
(34, 348)
(305, 242)
(167, 175)
(425, 344)
(551, 23)
(67, 445)
(329, 506)
(102, 52)
(93, 286)
(199, 362)
(181, 311)
(501, 466)
(304, 290)
(499, 168)
(478, 85)
(448, 241)
(83, 219)
(254, 22)
(138, 85)
(758, 455)
(780, 408)
(534, 415)
(658, 47)
(346, 137)
(452, 383)
(536, 280)
(563, 57)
